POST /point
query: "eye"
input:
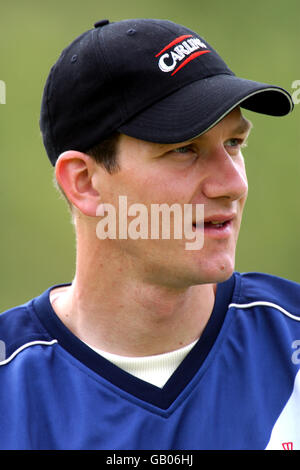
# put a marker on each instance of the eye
(235, 143)
(188, 151)
(185, 149)
(185, 154)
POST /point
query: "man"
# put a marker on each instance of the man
(152, 345)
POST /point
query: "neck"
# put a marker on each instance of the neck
(112, 310)
(148, 323)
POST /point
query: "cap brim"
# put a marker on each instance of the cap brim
(200, 105)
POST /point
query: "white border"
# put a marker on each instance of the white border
(26, 345)
(266, 304)
(278, 90)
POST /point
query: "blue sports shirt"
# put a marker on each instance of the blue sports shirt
(238, 388)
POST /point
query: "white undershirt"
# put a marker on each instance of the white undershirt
(153, 369)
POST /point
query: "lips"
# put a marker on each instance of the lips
(215, 221)
(215, 224)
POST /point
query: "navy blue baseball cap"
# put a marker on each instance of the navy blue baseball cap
(149, 79)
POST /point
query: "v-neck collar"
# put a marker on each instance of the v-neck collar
(160, 397)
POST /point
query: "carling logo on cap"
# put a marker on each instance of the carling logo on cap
(180, 52)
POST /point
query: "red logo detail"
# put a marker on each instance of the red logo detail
(192, 57)
(287, 445)
(176, 41)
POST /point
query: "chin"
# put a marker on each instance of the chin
(213, 271)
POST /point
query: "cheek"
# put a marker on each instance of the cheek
(243, 174)
(243, 199)
(151, 187)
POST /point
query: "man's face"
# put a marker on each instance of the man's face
(208, 170)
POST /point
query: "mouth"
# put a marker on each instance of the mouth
(216, 226)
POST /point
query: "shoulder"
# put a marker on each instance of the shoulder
(21, 328)
(266, 290)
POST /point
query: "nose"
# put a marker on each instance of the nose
(226, 177)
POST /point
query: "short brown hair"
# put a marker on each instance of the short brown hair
(104, 153)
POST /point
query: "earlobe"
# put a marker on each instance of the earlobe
(74, 171)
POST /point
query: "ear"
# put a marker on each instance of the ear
(74, 173)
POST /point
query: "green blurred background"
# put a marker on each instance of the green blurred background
(258, 39)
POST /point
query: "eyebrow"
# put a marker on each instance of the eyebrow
(243, 127)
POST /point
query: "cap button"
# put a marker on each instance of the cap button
(100, 23)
